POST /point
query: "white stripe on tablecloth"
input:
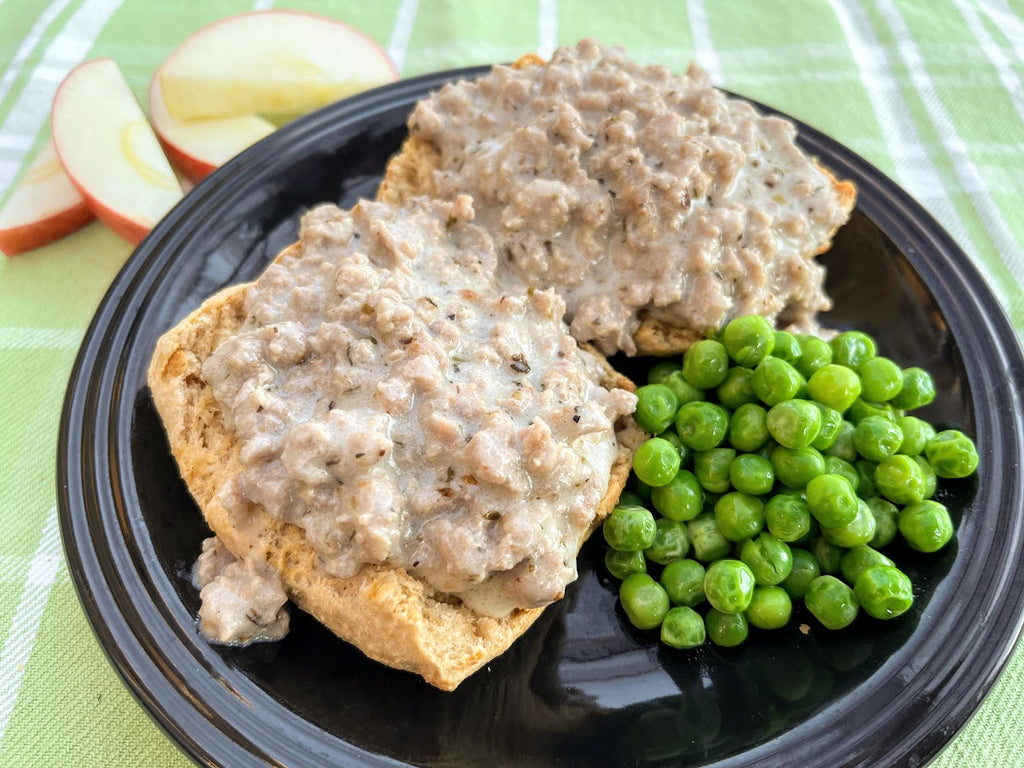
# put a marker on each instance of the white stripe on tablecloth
(1007, 20)
(262, 5)
(65, 51)
(28, 45)
(401, 32)
(995, 54)
(966, 171)
(15, 337)
(703, 45)
(547, 27)
(914, 169)
(21, 635)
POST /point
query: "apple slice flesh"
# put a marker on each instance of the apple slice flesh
(270, 62)
(198, 147)
(109, 151)
(44, 207)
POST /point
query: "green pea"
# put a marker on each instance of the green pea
(739, 515)
(795, 468)
(726, 629)
(683, 580)
(862, 408)
(656, 462)
(707, 541)
(931, 480)
(835, 386)
(794, 423)
(836, 466)
(916, 434)
(815, 353)
(729, 585)
(705, 364)
(827, 555)
(884, 591)
(917, 391)
(737, 388)
(751, 474)
(787, 517)
(952, 454)
(629, 528)
(865, 469)
(786, 347)
(748, 339)
(684, 391)
(685, 453)
(776, 380)
(805, 570)
(831, 421)
(683, 627)
(701, 425)
(712, 468)
(671, 541)
(886, 515)
(661, 370)
(622, 564)
(656, 407)
(769, 559)
(770, 608)
(858, 531)
(926, 525)
(831, 602)
(876, 438)
(644, 600)
(900, 479)
(843, 446)
(858, 560)
(880, 379)
(748, 427)
(832, 500)
(681, 499)
(852, 348)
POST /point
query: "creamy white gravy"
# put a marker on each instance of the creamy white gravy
(632, 190)
(403, 406)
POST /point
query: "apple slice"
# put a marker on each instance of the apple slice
(44, 206)
(109, 151)
(198, 147)
(270, 63)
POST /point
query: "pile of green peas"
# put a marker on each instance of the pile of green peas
(781, 465)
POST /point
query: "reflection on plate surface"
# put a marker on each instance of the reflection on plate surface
(581, 687)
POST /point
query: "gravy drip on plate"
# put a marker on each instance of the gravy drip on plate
(632, 190)
(404, 408)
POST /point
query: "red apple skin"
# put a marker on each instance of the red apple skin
(36, 234)
(131, 230)
(194, 169)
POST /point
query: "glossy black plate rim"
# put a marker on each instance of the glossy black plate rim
(156, 656)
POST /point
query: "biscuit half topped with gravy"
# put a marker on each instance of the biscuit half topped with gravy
(416, 448)
(658, 207)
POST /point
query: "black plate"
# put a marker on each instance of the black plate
(581, 687)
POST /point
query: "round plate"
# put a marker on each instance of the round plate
(581, 687)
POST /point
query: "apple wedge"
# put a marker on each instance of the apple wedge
(198, 147)
(109, 151)
(270, 63)
(43, 207)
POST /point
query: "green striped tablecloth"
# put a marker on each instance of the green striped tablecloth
(929, 91)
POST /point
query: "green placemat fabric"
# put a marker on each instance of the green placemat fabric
(929, 91)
